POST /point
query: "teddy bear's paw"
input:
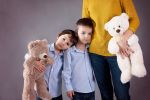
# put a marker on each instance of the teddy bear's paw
(125, 78)
(124, 81)
(141, 72)
(113, 50)
(133, 39)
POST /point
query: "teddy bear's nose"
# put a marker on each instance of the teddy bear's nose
(117, 30)
(38, 59)
(45, 56)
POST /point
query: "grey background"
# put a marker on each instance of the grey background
(24, 20)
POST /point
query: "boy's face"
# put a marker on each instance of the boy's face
(64, 42)
(84, 34)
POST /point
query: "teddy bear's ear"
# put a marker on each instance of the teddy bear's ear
(32, 44)
(45, 41)
(106, 26)
(124, 15)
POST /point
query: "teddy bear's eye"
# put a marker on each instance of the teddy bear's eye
(83, 32)
(114, 28)
(119, 26)
(43, 56)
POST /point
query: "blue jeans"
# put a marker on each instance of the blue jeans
(107, 72)
(84, 96)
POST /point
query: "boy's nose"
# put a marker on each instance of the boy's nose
(66, 42)
(85, 36)
(63, 44)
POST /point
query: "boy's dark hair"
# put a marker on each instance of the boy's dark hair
(86, 22)
(72, 33)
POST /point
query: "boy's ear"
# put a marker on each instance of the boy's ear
(57, 37)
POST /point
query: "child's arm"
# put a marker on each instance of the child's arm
(66, 73)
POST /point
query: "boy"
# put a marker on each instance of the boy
(77, 71)
(53, 73)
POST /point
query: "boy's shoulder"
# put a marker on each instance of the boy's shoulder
(71, 49)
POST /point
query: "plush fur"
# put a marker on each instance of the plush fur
(37, 51)
(134, 64)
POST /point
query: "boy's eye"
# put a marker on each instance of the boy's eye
(64, 39)
(67, 44)
(83, 32)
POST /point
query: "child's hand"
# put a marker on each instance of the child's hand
(39, 67)
(70, 94)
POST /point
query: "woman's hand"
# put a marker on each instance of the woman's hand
(125, 50)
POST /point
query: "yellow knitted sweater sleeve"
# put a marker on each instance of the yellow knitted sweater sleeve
(129, 8)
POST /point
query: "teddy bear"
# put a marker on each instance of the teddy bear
(134, 64)
(37, 51)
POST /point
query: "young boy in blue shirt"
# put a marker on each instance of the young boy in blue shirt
(52, 76)
(77, 71)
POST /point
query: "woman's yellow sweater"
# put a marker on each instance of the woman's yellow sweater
(101, 11)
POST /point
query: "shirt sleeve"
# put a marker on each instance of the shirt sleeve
(47, 75)
(85, 12)
(66, 73)
(129, 8)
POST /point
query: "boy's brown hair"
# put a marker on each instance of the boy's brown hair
(72, 33)
(86, 22)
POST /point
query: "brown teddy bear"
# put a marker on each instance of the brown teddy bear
(37, 51)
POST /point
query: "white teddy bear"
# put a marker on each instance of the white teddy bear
(134, 64)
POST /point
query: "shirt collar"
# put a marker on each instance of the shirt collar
(78, 50)
(52, 48)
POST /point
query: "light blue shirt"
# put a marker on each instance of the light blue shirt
(53, 73)
(77, 71)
